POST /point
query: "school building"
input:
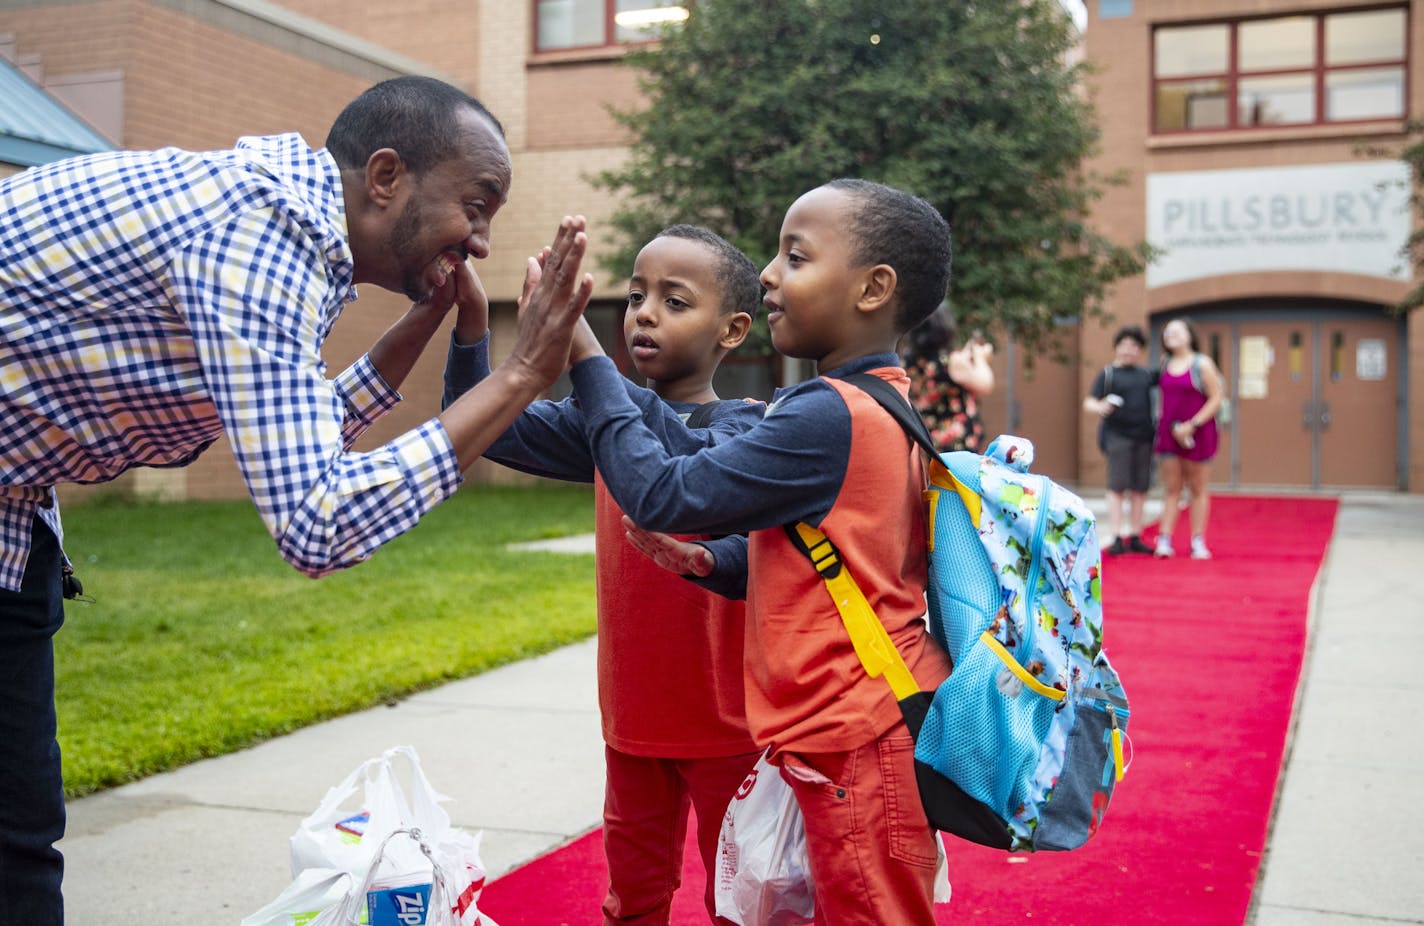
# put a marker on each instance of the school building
(1237, 122)
(1240, 124)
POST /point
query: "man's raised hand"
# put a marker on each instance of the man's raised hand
(554, 299)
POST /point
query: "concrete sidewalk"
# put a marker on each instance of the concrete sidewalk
(520, 753)
(1346, 845)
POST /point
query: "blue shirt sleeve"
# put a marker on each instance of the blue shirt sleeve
(549, 438)
(545, 440)
(787, 468)
(729, 574)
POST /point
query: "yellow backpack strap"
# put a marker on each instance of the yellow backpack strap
(872, 643)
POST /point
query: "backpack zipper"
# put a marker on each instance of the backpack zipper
(1040, 528)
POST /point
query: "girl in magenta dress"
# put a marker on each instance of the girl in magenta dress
(1186, 433)
(1180, 402)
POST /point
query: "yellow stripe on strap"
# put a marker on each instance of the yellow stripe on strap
(990, 641)
(872, 642)
(873, 645)
(970, 497)
(1119, 768)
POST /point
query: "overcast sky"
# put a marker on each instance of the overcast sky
(1080, 13)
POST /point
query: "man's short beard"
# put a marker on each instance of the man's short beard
(402, 245)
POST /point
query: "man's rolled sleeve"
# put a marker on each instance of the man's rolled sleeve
(366, 499)
(366, 396)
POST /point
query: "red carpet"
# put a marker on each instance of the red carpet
(1210, 653)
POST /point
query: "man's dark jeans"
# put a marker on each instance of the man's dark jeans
(31, 786)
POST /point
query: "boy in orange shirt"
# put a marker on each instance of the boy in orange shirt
(859, 264)
(669, 653)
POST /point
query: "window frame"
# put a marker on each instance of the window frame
(610, 43)
(1233, 75)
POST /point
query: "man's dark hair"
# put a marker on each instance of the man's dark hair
(902, 230)
(741, 283)
(1130, 332)
(415, 116)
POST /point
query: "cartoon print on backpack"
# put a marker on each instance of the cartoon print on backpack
(1002, 626)
(1020, 568)
(1058, 533)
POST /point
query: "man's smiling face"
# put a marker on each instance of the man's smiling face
(448, 209)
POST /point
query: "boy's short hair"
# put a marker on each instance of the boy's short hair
(741, 282)
(412, 115)
(1130, 332)
(907, 233)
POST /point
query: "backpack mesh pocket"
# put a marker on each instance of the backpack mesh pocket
(986, 741)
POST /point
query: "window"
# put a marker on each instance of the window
(1286, 70)
(560, 24)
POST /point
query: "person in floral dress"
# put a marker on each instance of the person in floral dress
(947, 383)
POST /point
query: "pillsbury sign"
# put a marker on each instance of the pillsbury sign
(1348, 218)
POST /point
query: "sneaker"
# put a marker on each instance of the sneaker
(1199, 550)
(1164, 548)
(1116, 548)
(1135, 545)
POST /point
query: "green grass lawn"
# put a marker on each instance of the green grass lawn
(200, 640)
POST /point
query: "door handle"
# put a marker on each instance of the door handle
(1315, 416)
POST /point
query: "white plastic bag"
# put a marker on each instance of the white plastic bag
(763, 875)
(384, 795)
(432, 906)
(311, 892)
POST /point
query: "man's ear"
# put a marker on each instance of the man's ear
(385, 171)
(877, 288)
(735, 330)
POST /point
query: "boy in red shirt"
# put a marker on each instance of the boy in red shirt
(859, 264)
(669, 653)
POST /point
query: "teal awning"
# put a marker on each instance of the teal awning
(35, 128)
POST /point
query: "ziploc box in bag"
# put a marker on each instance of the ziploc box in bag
(398, 906)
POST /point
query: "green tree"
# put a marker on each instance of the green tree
(973, 105)
(1411, 152)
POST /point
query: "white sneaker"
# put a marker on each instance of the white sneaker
(1164, 547)
(1199, 550)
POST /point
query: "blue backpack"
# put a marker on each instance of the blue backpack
(1020, 748)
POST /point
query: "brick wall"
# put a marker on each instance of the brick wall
(444, 35)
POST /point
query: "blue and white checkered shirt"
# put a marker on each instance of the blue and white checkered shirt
(150, 301)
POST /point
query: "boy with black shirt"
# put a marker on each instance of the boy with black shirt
(1121, 395)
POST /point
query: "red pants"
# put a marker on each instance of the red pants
(872, 852)
(645, 804)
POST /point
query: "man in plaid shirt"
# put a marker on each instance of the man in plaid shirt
(151, 301)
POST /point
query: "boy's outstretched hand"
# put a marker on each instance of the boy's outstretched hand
(395, 354)
(472, 305)
(679, 556)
